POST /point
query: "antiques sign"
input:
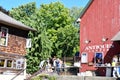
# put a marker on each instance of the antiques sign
(100, 48)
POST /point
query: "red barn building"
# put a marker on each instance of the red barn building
(99, 35)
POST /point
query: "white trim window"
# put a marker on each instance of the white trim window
(12, 63)
(3, 36)
(6, 63)
(28, 43)
(84, 58)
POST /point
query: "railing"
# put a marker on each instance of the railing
(36, 73)
(18, 74)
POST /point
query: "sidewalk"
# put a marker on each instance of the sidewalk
(84, 78)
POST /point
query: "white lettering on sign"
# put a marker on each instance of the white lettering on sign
(100, 47)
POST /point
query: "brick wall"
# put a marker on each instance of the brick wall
(15, 45)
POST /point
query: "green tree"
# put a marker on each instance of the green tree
(59, 25)
(23, 12)
(55, 35)
(75, 14)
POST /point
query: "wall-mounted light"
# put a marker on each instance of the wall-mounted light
(78, 20)
(87, 41)
(104, 39)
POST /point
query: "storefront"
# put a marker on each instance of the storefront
(99, 37)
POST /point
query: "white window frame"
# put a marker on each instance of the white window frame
(5, 63)
(6, 37)
(19, 63)
(28, 43)
(14, 63)
(84, 57)
(11, 63)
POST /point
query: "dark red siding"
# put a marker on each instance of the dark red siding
(101, 20)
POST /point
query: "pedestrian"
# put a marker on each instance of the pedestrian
(54, 63)
(58, 66)
(42, 64)
(48, 67)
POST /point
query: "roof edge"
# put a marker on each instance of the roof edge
(23, 27)
(8, 20)
(85, 9)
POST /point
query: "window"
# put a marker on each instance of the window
(6, 63)
(9, 63)
(3, 36)
(28, 43)
(12, 63)
(84, 58)
(19, 63)
(98, 58)
(2, 62)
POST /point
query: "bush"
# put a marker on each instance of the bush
(41, 77)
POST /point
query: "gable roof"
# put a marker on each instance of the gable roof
(85, 9)
(7, 20)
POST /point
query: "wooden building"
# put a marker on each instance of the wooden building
(99, 35)
(13, 43)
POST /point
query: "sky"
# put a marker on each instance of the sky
(9, 4)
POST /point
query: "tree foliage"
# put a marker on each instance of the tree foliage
(75, 12)
(55, 35)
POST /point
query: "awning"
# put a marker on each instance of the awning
(116, 37)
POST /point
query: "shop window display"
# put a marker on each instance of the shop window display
(98, 59)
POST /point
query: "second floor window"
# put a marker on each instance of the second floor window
(3, 36)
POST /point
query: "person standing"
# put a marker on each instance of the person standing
(58, 66)
(54, 63)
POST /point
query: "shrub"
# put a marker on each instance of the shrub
(41, 77)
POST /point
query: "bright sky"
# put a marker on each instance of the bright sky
(8, 4)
